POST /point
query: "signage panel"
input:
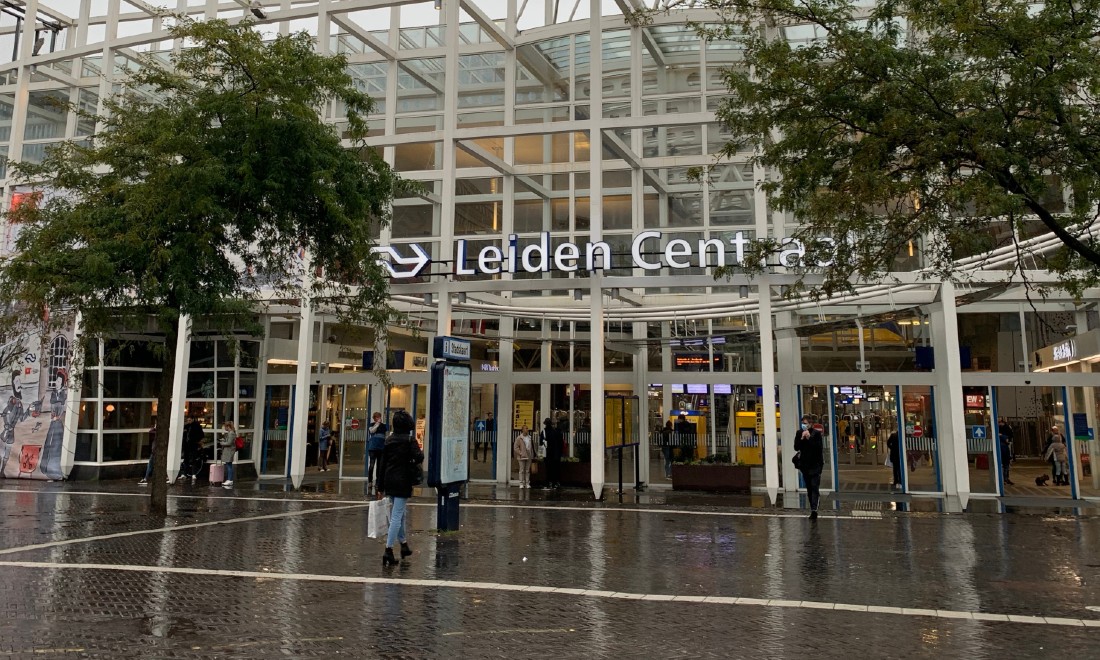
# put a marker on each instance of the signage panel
(449, 427)
(451, 348)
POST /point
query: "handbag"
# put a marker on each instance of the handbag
(417, 468)
(378, 518)
(239, 442)
(797, 460)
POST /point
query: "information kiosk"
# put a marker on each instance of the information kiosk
(449, 427)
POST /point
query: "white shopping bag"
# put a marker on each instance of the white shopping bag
(378, 518)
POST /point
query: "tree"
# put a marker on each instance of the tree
(951, 125)
(209, 177)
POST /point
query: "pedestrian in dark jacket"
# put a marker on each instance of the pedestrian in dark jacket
(397, 470)
(811, 461)
(553, 439)
(376, 441)
(893, 445)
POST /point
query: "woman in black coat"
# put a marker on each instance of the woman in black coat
(811, 461)
(397, 470)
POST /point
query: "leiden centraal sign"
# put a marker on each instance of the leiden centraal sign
(648, 251)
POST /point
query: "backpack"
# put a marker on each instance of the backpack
(239, 442)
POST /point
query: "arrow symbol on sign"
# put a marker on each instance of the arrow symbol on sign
(419, 262)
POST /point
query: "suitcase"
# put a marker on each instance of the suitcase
(217, 473)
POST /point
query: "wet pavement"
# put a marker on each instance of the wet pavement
(260, 572)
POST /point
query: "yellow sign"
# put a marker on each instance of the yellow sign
(619, 420)
(523, 415)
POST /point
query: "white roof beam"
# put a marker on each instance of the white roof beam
(369, 39)
(487, 24)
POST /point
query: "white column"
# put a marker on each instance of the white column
(790, 362)
(595, 160)
(300, 412)
(72, 407)
(597, 374)
(767, 383)
(506, 399)
(950, 424)
(179, 397)
(545, 357)
(641, 389)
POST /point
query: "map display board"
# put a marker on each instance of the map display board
(449, 425)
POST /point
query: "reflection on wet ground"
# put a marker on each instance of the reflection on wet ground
(260, 572)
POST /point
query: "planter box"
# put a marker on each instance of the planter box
(712, 478)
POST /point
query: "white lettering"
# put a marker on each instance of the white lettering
(738, 242)
(489, 260)
(719, 252)
(543, 250)
(828, 259)
(460, 259)
(566, 256)
(636, 250)
(676, 248)
(796, 250)
(590, 255)
(512, 241)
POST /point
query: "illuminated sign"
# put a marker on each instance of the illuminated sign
(648, 251)
(975, 401)
(695, 361)
(1066, 350)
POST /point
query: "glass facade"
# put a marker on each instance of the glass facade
(574, 246)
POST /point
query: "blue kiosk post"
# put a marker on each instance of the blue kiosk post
(449, 427)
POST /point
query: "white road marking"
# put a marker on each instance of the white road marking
(176, 528)
(590, 593)
(474, 505)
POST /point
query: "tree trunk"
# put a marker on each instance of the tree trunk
(158, 489)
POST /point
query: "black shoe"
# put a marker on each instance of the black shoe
(406, 550)
(813, 515)
(388, 559)
(1008, 482)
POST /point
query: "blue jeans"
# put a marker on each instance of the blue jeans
(397, 521)
(229, 472)
(149, 467)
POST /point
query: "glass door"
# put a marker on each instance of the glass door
(922, 455)
(276, 430)
(355, 419)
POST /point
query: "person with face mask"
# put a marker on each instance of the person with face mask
(810, 459)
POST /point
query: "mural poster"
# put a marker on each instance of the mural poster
(34, 388)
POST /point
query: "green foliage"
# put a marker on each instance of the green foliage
(948, 123)
(206, 176)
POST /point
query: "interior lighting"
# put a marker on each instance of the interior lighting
(910, 247)
(743, 291)
(110, 407)
(438, 5)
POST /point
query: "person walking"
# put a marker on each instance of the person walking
(524, 450)
(376, 442)
(553, 439)
(397, 469)
(893, 446)
(810, 448)
(228, 444)
(1058, 455)
(666, 448)
(1048, 454)
(322, 446)
(1005, 435)
(152, 454)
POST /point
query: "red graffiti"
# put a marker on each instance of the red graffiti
(28, 459)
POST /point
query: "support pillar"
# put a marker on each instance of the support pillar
(506, 420)
(641, 389)
(597, 375)
(300, 410)
(767, 383)
(950, 424)
(175, 418)
(72, 407)
(789, 354)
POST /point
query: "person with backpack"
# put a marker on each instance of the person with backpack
(1058, 454)
(228, 443)
(398, 471)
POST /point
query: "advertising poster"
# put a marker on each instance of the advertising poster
(34, 388)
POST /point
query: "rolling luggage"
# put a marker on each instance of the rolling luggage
(217, 473)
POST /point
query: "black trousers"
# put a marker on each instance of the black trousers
(553, 469)
(813, 487)
(897, 470)
(373, 456)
